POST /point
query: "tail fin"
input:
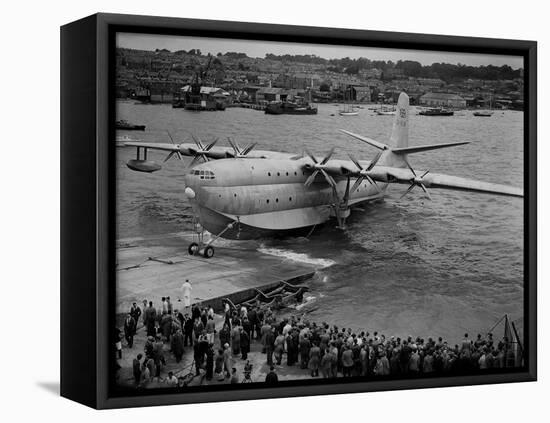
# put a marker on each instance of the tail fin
(400, 131)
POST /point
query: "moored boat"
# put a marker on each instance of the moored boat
(288, 108)
(436, 111)
(127, 126)
(483, 113)
(385, 111)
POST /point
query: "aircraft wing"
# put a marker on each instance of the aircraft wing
(152, 145)
(435, 180)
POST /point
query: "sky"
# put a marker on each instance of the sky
(260, 48)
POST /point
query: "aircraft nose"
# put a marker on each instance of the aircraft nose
(189, 193)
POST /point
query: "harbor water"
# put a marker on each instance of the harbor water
(403, 267)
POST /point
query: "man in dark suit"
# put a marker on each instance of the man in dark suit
(129, 330)
(269, 341)
(188, 331)
(272, 378)
(135, 312)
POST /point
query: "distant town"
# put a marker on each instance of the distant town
(232, 78)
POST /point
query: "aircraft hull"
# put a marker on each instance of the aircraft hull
(215, 223)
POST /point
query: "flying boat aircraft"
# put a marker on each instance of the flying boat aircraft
(243, 193)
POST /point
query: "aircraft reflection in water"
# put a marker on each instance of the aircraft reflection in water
(245, 193)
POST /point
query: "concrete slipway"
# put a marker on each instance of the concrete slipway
(156, 266)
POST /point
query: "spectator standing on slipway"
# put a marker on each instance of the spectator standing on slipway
(135, 312)
(129, 330)
(186, 289)
(150, 319)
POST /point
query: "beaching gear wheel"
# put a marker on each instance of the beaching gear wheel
(193, 248)
(208, 252)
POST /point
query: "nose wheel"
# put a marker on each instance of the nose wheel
(206, 250)
(194, 249)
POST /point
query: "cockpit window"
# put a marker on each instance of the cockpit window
(203, 174)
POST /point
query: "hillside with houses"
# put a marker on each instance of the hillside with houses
(234, 78)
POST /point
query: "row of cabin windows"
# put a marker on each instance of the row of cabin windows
(267, 201)
(287, 173)
(277, 200)
(203, 174)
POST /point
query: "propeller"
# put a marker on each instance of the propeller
(318, 167)
(363, 172)
(202, 151)
(416, 180)
(238, 152)
(175, 152)
(339, 204)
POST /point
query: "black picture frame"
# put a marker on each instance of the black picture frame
(87, 200)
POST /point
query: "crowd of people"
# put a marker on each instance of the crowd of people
(323, 350)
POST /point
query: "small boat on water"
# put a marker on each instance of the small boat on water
(385, 111)
(436, 111)
(483, 113)
(289, 108)
(348, 113)
(349, 109)
(127, 126)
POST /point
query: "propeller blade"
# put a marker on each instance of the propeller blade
(248, 149)
(425, 173)
(373, 182)
(235, 148)
(357, 183)
(410, 167)
(311, 156)
(311, 178)
(194, 161)
(425, 191)
(329, 179)
(170, 136)
(346, 194)
(169, 156)
(197, 142)
(374, 161)
(408, 190)
(212, 144)
(179, 155)
(327, 157)
(355, 162)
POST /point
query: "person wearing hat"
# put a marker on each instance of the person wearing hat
(272, 378)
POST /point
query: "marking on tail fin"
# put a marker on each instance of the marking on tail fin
(400, 130)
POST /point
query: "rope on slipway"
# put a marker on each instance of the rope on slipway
(135, 266)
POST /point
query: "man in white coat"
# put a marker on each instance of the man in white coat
(186, 293)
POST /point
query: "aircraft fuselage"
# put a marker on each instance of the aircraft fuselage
(266, 195)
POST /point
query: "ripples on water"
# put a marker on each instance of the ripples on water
(409, 266)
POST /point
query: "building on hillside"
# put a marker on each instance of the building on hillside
(360, 93)
(430, 84)
(442, 100)
(297, 80)
(271, 94)
(370, 73)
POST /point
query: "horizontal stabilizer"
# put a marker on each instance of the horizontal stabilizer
(370, 141)
(421, 148)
